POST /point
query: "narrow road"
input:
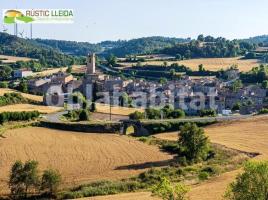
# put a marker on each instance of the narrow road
(55, 117)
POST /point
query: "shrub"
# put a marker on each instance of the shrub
(152, 113)
(167, 191)
(177, 114)
(170, 147)
(93, 107)
(208, 113)
(18, 116)
(263, 111)
(251, 184)
(51, 180)
(211, 170)
(84, 115)
(203, 176)
(12, 98)
(136, 115)
(193, 142)
(3, 84)
(23, 177)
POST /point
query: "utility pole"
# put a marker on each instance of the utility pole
(110, 94)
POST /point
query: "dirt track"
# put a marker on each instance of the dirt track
(79, 157)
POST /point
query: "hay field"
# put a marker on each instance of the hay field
(28, 96)
(116, 110)
(78, 156)
(29, 107)
(249, 135)
(212, 64)
(47, 72)
(13, 59)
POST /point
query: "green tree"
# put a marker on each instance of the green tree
(16, 181)
(51, 180)
(23, 177)
(69, 69)
(177, 113)
(265, 84)
(236, 107)
(93, 107)
(5, 72)
(112, 60)
(136, 115)
(165, 64)
(236, 85)
(30, 175)
(201, 68)
(251, 184)
(167, 191)
(193, 142)
(23, 86)
(84, 115)
(3, 84)
(162, 80)
(178, 56)
(208, 113)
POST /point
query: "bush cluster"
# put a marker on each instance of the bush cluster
(18, 116)
(263, 111)
(12, 98)
(24, 178)
(168, 126)
(208, 113)
(102, 188)
(78, 115)
(166, 112)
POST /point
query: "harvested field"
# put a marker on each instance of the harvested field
(29, 107)
(116, 110)
(212, 64)
(28, 96)
(47, 72)
(249, 135)
(79, 157)
(13, 59)
(50, 71)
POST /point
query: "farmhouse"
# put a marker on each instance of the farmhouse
(22, 73)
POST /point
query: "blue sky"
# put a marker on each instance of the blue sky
(98, 20)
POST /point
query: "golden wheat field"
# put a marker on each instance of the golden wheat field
(116, 110)
(29, 107)
(212, 64)
(47, 72)
(80, 157)
(249, 135)
(13, 59)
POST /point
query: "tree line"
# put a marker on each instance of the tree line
(25, 179)
(209, 47)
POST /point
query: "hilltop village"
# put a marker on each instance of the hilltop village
(188, 93)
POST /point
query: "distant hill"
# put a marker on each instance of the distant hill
(209, 47)
(71, 47)
(258, 40)
(47, 56)
(144, 45)
(119, 48)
